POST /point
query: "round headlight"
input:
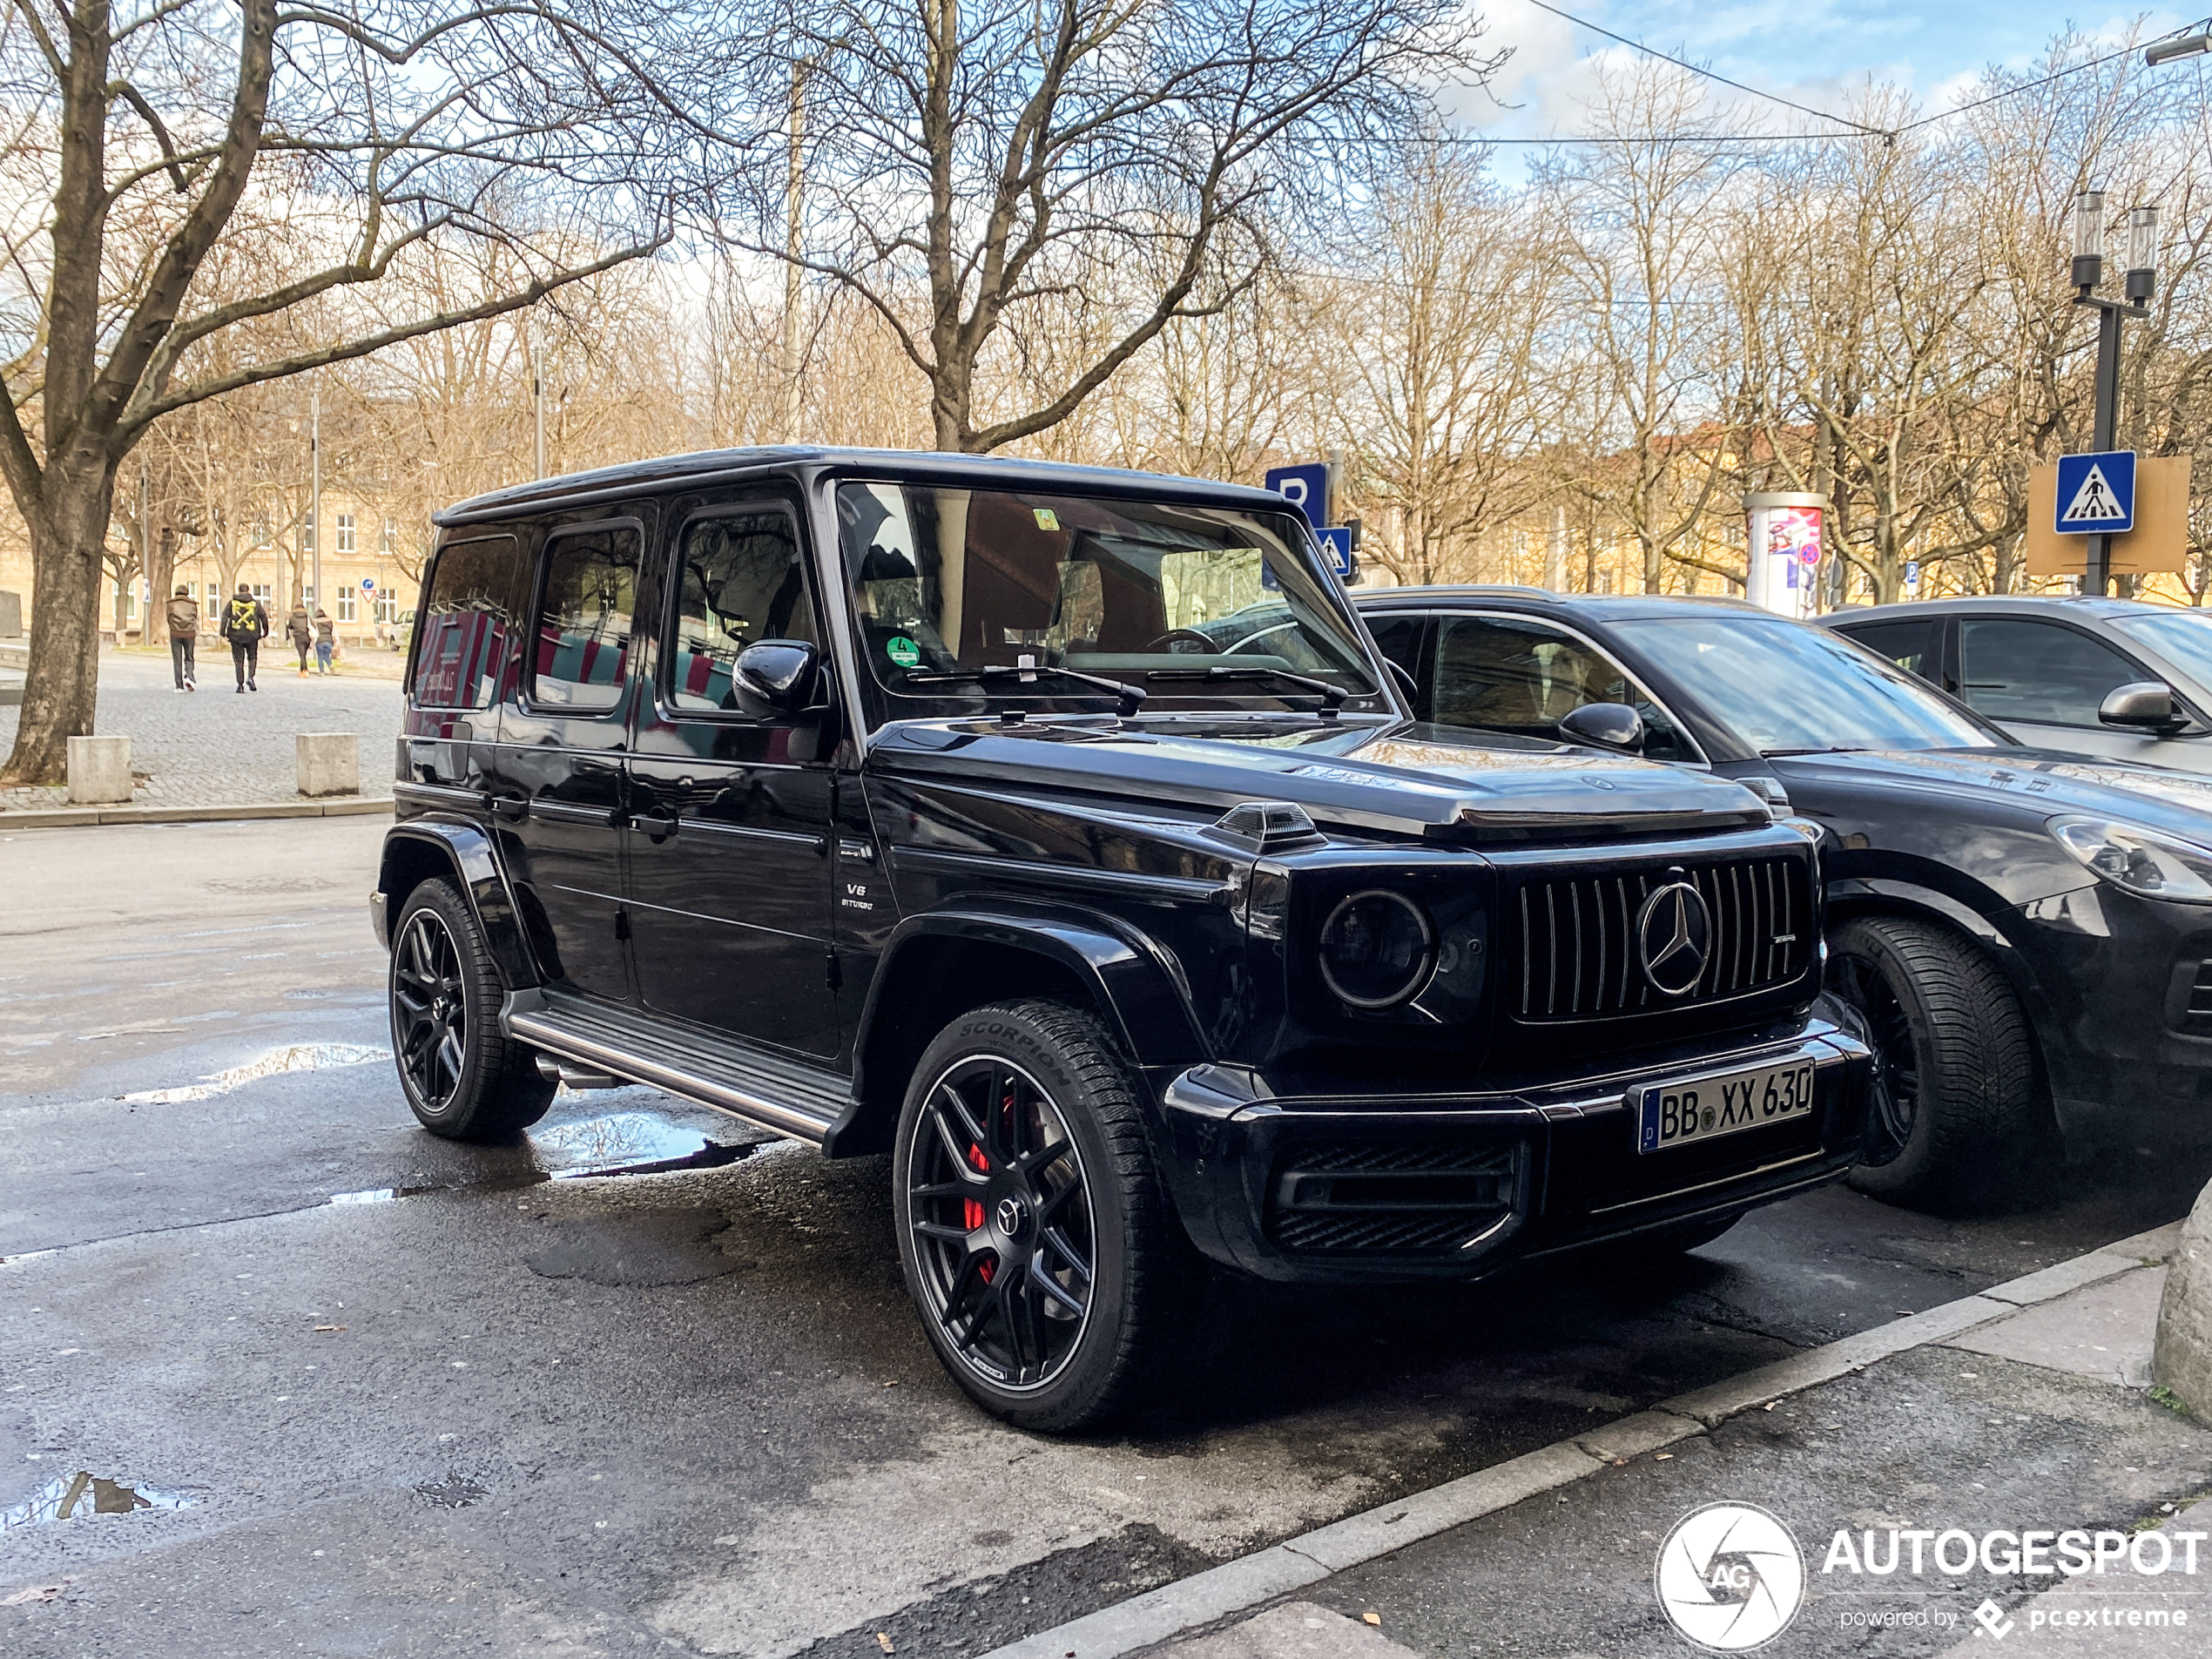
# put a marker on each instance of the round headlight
(1377, 949)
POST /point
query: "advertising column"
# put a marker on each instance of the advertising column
(1782, 548)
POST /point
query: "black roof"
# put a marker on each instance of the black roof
(1996, 604)
(712, 465)
(1603, 607)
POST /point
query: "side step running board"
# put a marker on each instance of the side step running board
(763, 1089)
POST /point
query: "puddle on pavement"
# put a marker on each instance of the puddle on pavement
(298, 1057)
(633, 1143)
(74, 1497)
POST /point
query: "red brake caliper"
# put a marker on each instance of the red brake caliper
(972, 1211)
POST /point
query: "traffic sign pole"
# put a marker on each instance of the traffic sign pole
(2097, 575)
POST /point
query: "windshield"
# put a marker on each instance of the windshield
(948, 582)
(2183, 637)
(1782, 687)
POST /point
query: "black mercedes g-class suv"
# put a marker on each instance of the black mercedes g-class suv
(1060, 832)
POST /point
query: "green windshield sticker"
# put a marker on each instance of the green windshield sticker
(902, 650)
(1047, 519)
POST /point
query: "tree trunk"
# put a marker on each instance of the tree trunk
(60, 692)
(161, 571)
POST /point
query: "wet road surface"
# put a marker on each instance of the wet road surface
(646, 1381)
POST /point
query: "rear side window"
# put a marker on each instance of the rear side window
(2040, 673)
(467, 620)
(582, 650)
(1910, 645)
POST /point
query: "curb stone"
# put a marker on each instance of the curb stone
(1246, 1583)
(77, 817)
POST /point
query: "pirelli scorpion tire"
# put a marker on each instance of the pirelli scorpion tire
(1050, 1272)
(462, 1075)
(1956, 1108)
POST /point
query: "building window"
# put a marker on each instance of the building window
(345, 533)
(391, 535)
(387, 606)
(307, 535)
(345, 607)
(264, 592)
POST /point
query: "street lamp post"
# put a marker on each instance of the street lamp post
(2142, 281)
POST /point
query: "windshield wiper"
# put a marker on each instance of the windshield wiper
(1132, 696)
(1832, 749)
(1332, 697)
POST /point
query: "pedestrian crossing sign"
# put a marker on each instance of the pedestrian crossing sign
(2096, 495)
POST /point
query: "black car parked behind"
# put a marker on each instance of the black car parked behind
(2026, 934)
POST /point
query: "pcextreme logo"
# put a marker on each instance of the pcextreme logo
(1731, 1577)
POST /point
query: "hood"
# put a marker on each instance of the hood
(1406, 779)
(2046, 781)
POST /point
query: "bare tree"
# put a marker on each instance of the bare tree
(342, 141)
(966, 163)
(1441, 370)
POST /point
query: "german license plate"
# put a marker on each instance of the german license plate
(1697, 1108)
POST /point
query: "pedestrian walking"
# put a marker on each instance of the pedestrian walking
(302, 633)
(245, 625)
(325, 640)
(183, 636)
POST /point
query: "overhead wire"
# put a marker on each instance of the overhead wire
(1859, 129)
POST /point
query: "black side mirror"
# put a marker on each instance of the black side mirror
(2144, 705)
(1604, 725)
(781, 674)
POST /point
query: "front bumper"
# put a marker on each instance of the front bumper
(1335, 1187)
(2126, 1022)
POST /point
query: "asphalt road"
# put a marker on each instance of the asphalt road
(388, 1395)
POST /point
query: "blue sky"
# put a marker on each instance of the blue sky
(1811, 50)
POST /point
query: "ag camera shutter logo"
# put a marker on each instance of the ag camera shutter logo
(1729, 1577)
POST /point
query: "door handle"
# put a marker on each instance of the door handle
(659, 824)
(514, 808)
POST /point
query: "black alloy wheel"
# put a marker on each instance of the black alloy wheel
(429, 1009)
(1957, 1111)
(1893, 1104)
(463, 1077)
(1039, 1246)
(1003, 1223)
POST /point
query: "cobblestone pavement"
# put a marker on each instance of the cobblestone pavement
(212, 747)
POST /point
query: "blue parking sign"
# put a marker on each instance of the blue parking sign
(2096, 495)
(1307, 486)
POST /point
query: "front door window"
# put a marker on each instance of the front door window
(1517, 675)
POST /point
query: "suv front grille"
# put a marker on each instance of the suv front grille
(1391, 1196)
(1576, 954)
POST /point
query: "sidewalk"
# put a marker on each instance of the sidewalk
(2025, 1409)
(213, 748)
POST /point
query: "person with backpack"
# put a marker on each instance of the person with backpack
(325, 640)
(184, 637)
(302, 633)
(245, 625)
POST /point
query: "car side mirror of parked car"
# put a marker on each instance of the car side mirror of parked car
(2146, 706)
(780, 675)
(1604, 725)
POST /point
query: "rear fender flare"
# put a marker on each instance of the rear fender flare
(425, 848)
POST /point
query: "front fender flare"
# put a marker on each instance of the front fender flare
(422, 846)
(1138, 985)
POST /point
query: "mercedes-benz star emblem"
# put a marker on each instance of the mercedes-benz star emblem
(1673, 934)
(1014, 1216)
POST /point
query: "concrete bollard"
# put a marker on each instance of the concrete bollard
(2182, 1358)
(330, 763)
(99, 771)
